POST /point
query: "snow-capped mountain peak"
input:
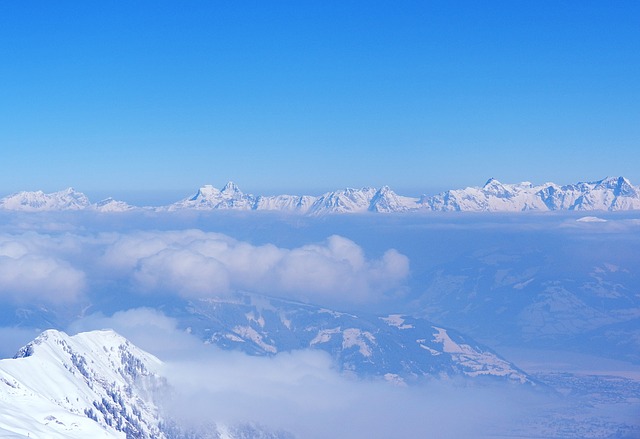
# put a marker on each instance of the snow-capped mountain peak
(210, 198)
(205, 192)
(68, 199)
(386, 200)
(609, 194)
(619, 185)
(491, 182)
(88, 385)
(231, 189)
(93, 385)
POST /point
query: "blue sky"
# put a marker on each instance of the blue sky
(308, 96)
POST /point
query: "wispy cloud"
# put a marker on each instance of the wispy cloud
(303, 393)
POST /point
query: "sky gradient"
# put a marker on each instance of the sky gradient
(311, 96)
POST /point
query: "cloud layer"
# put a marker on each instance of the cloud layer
(34, 266)
(193, 264)
(196, 264)
(301, 392)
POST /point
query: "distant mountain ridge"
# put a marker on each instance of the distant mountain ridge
(397, 348)
(608, 194)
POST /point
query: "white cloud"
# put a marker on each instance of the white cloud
(187, 272)
(193, 263)
(33, 266)
(303, 393)
(147, 328)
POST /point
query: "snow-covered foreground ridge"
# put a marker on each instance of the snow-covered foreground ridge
(609, 194)
(89, 385)
(94, 385)
(98, 385)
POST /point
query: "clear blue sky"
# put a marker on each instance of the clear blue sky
(304, 96)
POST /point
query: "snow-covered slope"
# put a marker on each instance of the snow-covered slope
(94, 385)
(609, 194)
(612, 193)
(68, 199)
(208, 198)
(385, 200)
(111, 205)
(529, 293)
(285, 203)
(343, 201)
(394, 347)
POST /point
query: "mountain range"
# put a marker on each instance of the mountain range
(397, 348)
(609, 194)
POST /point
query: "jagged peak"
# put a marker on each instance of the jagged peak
(491, 182)
(618, 180)
(49, 336)
(204, 191)
(52, 337)
(616, 183)
(350, 199)
(231, 188)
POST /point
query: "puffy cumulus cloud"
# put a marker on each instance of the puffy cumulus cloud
(185, 271)
(338, 269)
(34, 266)
(193, 263)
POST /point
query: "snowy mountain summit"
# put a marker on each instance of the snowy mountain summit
(609, 194)
(68, 199)
(94, 385)
(99, 385)
(90, 385)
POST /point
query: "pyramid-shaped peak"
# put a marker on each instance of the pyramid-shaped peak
(622, 181)
(613, 182)
(491, 182)
(231, 188)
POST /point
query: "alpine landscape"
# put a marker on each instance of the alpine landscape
(435, 231)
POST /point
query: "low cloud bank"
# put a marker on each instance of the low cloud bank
(33, 266)
(193, 264)
(302, 393)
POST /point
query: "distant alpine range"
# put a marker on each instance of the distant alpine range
(609, 194)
